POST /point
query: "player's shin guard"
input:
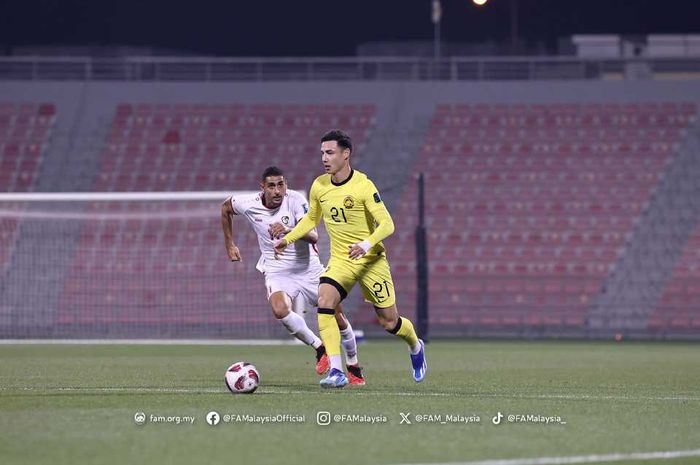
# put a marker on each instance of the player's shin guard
(330, 335)
(404, 330)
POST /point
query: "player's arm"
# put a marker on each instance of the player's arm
(227, 225)
(311, 237)
(299, 210)
(278, 230)
(385, 225)
(307, 223)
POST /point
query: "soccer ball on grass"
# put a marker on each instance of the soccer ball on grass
(242, 378)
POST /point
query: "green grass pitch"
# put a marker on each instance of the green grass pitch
(67, 404)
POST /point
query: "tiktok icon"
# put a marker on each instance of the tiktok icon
(497, 419)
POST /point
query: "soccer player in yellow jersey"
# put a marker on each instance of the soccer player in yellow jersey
(357, 221)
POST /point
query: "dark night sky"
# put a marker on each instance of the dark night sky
(323, 28)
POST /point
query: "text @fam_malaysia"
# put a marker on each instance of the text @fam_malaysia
(326, 418)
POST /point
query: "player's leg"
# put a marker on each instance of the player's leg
(397, 325)
(301, 306)
(349, 343)
(347, 336)
(402, 327)
(280, 291)
(296, 326)
(336, 281)
(378, 289)
(328, 299)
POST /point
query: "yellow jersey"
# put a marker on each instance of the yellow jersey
(353, 211)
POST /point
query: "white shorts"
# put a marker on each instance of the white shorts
(295, 285)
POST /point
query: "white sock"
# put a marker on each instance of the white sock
(336, 362)
(414, 350)
(347, 337)
(296, 326)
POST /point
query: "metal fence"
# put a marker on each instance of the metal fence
(338, 69)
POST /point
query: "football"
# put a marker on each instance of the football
(242, 378)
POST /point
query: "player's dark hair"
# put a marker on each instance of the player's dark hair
(343, 140)
(271, 171)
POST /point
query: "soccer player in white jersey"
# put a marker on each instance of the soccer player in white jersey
(272, 213)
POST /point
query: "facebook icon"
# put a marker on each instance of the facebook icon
(213, 418)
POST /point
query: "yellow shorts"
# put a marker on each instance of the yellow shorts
(374, 278)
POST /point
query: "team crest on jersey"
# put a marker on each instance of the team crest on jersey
(349, 202)
(285, 220)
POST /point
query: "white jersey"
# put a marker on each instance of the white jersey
(297, 258)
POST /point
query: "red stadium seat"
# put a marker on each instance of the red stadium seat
(185, 147)
(541, 213)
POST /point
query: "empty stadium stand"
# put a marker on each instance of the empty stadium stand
(219, 147)
(530, 206)
(541, 215)
(172, 267)
(25, 130)
(679, 308)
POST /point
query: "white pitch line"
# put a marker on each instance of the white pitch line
(355, 391)
(167, 342)
(666, 455)
(588, 397)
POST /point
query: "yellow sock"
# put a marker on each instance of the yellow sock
(328, 330)
(404, 330)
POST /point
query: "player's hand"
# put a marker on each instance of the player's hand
(357, 251)
(279, 248)
(233, 253)
(277, 230)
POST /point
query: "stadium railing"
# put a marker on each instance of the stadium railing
(341, 69)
